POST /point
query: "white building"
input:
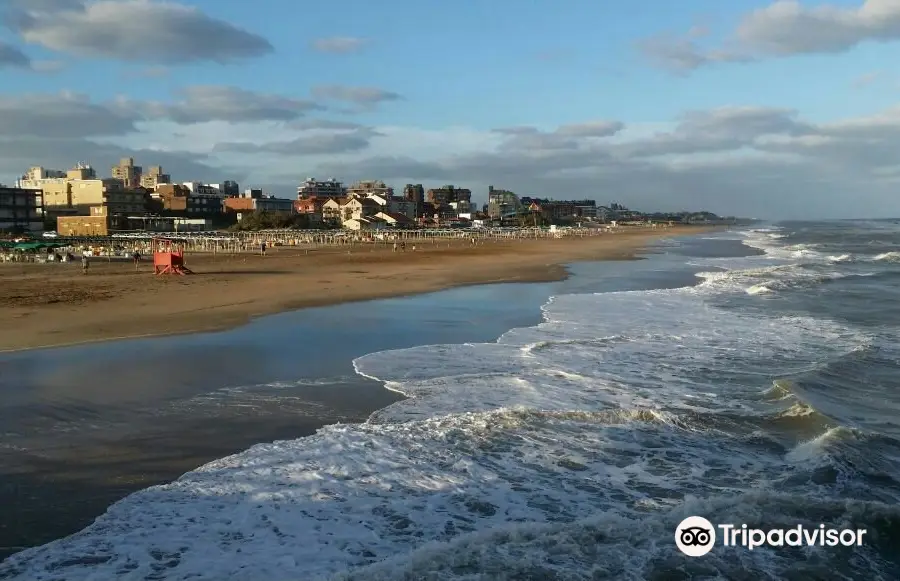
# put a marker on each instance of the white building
(371, 223)
(201, 189)
(312, 188)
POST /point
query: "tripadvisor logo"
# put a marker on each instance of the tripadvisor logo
(696, 536)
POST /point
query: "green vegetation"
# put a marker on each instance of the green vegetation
(251, 221)
(527, 219)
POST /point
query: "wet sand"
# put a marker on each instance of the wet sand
(71, 445)
(44, 305)
(83, 426)
(73, 478)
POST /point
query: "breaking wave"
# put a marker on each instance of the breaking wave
(567, 450)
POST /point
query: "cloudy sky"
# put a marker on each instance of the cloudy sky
(748, 107)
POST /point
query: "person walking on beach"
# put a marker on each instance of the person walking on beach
(262, 247)
(136, 256)
(84, 264)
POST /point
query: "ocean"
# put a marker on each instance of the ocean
(748, 377)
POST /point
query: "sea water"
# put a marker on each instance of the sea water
(765, 392)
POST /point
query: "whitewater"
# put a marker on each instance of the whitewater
(568, 450)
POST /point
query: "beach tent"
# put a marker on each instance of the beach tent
(36, 245)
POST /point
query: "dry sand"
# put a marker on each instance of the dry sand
(43, 305)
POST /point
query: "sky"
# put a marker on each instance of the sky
(773, 110)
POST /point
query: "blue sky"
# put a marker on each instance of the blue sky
(464, 69)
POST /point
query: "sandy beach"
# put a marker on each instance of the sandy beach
(44, 305)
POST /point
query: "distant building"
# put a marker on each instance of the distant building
(21, 209)
(312, 208)
(230, 188)
(38, 173)
(310, 205)
(174, 197)
(204, 204)
(551, 209)
(415, 193)
(201, 189)
(460, 199)
(168, 224)
(249, 203)
(356, 208)
(128, 173)
(366, 188)
(371, 223)
(586, 208)
(204, 199)
(104, 225)
(80, 190)
(330, 188)
(155, 177)
(274, 205)
(501, 203)
(332, 210)
(239, 204)
(180, 198)
(396, 220)
(100, 225)
(251, 193)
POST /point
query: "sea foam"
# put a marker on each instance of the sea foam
(564, 450)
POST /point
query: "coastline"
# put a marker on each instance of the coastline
(48, 306)
(75, 446)
(83, 481)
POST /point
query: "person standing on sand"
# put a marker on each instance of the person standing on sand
(136, 256)
(262, 247)
(84, 264)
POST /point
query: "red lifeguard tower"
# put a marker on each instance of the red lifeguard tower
(168, 257)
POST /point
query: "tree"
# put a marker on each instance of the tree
(269, 220)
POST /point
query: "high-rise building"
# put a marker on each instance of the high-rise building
(460, 199)
(415, 193)
(501, 203)
(128, 173)
(312, 188)
(448, 195)
(230, 189)
(79, 190)
(21, 210)
(39, 173)
(155, 177)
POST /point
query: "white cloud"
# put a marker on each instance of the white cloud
(201, 103)
(132, 30)
(783, 28)
(365, 98)
(758, 161)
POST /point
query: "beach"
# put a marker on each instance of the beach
(87, 424)
(543, 430)
(46, 305)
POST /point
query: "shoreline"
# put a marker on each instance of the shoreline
(158, 465)
(100, 468)
(54, 305)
